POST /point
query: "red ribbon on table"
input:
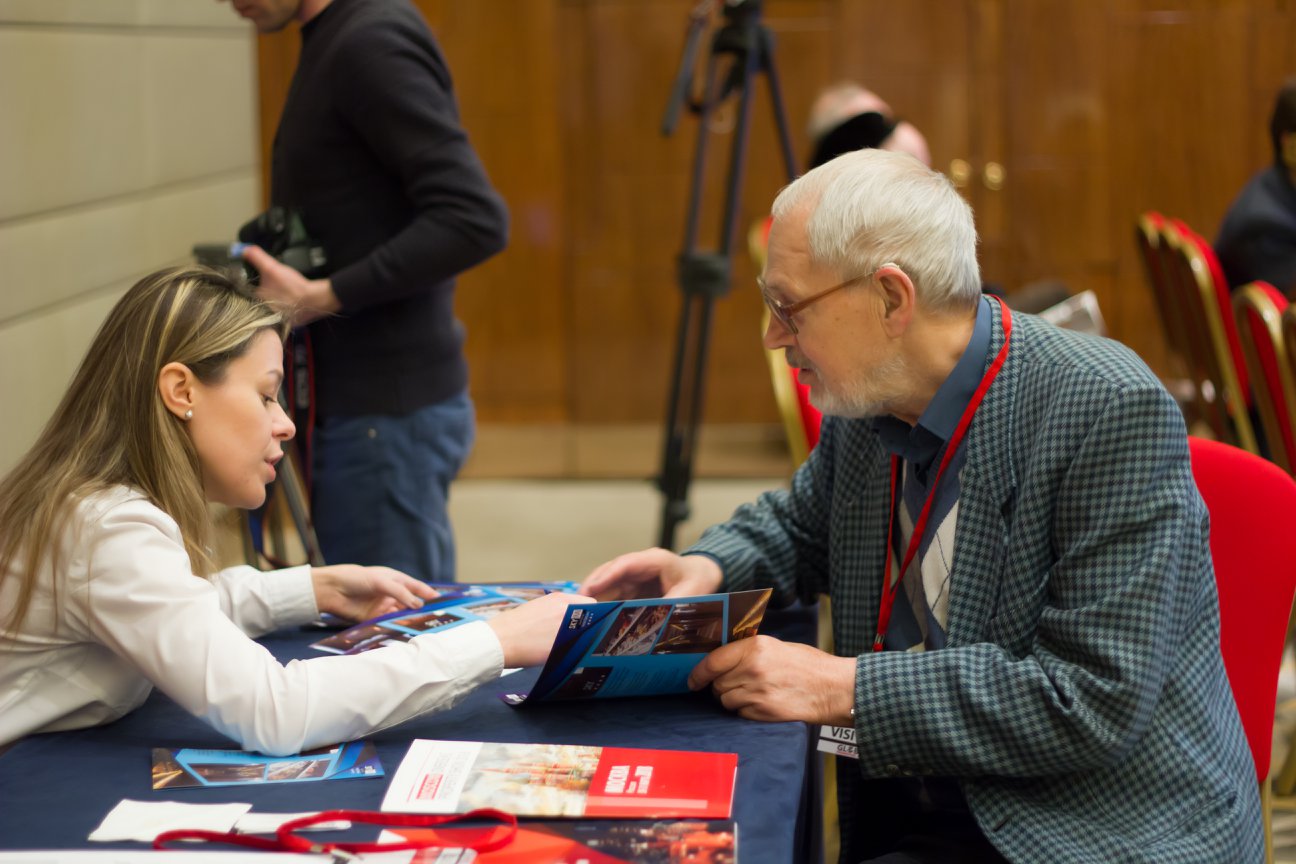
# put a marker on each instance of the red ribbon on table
(286, 840)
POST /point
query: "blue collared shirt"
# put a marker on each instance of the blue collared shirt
(920, 444)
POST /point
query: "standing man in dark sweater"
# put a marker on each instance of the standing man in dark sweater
(370, 151)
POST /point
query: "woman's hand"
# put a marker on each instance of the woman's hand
(360, 593)
(526, 632)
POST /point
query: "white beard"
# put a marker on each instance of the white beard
(872, 395)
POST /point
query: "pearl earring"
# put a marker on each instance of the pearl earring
(189, 414)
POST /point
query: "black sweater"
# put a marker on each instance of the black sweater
(370, 149)
(1258, 237)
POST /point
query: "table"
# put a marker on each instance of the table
(55, 788)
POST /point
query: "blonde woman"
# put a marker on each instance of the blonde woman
(107, 587)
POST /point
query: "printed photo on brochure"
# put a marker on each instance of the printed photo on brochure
(640, 647)
(457, 605)
(600, 841)
(191, 768)
(562, 780)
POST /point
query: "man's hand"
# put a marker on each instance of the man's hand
(653, 573)
(360, 593)
(526, 632)
(297, 298)
(763, 678)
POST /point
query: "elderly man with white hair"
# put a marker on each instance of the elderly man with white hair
(1004, 515)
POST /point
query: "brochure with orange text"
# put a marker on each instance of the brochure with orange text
(551, 780)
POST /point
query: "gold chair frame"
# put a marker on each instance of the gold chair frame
(1195, 286)
(1247, 300)
(1155, 255)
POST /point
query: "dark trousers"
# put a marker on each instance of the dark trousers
(891, 826)
(382, 486)
(958, 840)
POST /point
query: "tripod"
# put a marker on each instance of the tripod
(705, 276)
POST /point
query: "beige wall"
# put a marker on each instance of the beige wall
(127, 133)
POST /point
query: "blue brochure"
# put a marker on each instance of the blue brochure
(457, 605)
(189, 767)
(641, 647)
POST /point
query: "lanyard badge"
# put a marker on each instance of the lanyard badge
(920, 526)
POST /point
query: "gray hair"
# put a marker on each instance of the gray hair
(870, 207)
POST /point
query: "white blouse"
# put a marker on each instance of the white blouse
(135, 616)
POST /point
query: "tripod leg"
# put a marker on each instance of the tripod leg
(295, 500)
(250, 555)
(695, 271)
(705, 277)
(298, 503)
(675, 507)
(776, 101)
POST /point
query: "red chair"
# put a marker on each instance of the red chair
(800, 419)
(1259, 308)
(1148, 236)
(1220, 291)
(1250, 501)
(1154, 252)
(1214, 352)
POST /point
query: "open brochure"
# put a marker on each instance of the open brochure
(562, 780)
(458, 604)
(641, 647)
(594, 841)
(189, 767)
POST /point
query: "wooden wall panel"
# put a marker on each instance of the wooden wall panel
(276, 59)
(627, 190)
(630, 205)
(917, 56)
(1096, 109)
(738, 386)
(1177, 115)
(507, 75)
(1054, 147)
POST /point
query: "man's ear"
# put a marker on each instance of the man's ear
(176, 385)
(899, 298)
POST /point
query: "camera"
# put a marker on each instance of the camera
(280, 232)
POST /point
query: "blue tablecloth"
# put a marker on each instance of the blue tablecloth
(56, 788)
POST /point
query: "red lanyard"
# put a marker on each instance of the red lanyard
(889, 591)
(494, 837)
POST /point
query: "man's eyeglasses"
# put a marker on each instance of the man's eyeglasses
(784, 311)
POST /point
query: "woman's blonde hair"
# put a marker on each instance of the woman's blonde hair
(111, 427)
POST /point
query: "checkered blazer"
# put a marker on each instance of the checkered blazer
(1081, 701)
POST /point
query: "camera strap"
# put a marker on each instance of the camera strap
(299, 358)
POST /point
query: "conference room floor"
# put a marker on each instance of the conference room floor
(553, 529)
